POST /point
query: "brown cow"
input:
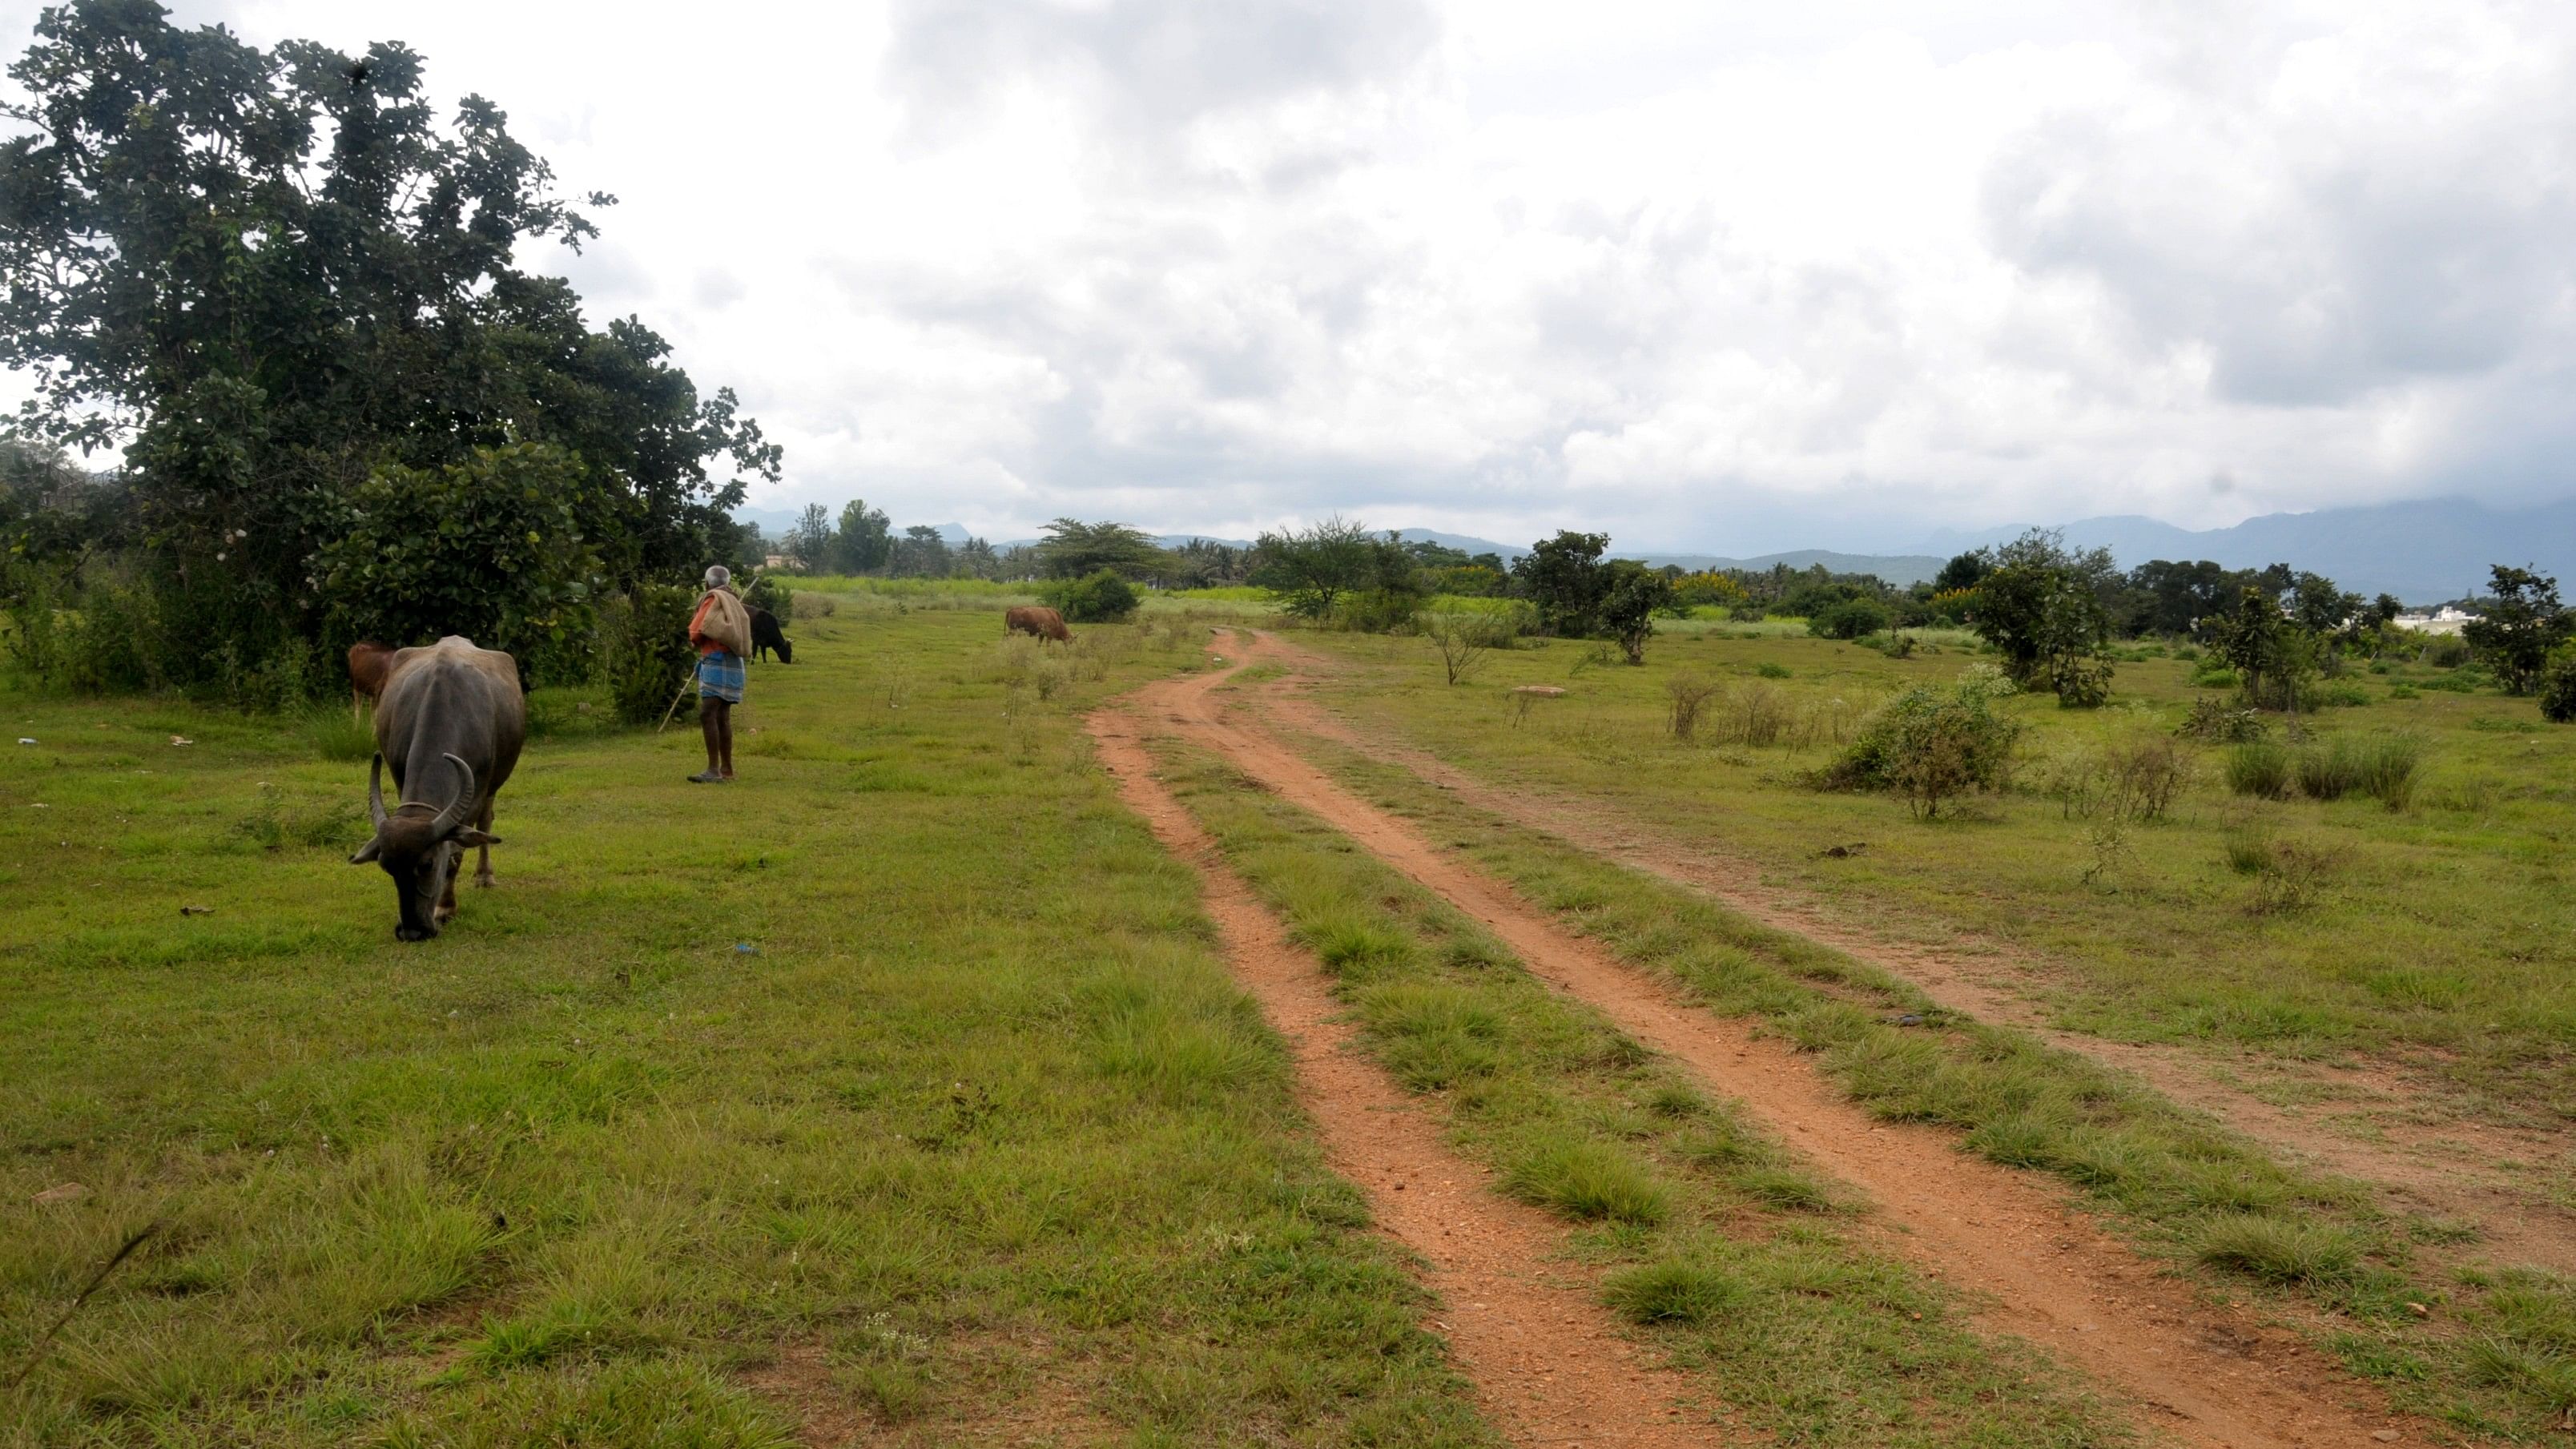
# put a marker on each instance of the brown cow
(1043, 623)
(369, 662)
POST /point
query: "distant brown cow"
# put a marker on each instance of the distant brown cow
(369, 662)
(1044, 623)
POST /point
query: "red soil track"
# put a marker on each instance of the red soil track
(1547, 1362)
(2451, 1171)
(2211, 1376)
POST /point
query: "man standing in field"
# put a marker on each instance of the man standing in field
(721, 633)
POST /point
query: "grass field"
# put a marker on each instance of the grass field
(897, 1076)
(897, 1091)
(2440, 938)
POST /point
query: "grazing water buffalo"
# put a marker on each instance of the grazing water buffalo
(450, 720)
(766, 635)
(1044, 623)
(368, 662)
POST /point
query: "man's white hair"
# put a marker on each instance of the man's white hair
(718, 576)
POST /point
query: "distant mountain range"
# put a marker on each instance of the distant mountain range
(2422, 551)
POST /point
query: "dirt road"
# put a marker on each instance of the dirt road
(1547, 1361)
(2210, 1376)
(2453, 1170)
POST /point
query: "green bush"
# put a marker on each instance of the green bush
(490, 547)
(1928, 746)
(2444, 651)
(644, 650)
(2262, 769)
(1100, 598)
(1376, 611)
(1849, 619)
(2558, 688)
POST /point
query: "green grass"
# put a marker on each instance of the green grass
(977, 1124)
(1712, 1238)
(2446, 845)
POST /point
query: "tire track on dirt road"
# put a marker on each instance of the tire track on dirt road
(2450, 1173)
(2214, 1377)
(1547, 1361)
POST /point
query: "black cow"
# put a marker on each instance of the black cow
(766, 635)
(451, 721)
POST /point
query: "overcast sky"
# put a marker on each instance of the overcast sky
(1728, 276)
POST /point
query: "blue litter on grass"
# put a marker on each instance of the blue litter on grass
(745, 948)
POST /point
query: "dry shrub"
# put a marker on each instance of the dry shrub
(1758, 717)
(2288, 873)
(2130, 780)
(1688, 693)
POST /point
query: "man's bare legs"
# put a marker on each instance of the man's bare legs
(715, 719)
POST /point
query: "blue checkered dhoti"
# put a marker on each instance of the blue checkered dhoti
(720, 676)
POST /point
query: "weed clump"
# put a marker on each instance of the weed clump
(1589, 1180)
(2280, 1250)
(2213, 720)
(2132, 780)
(1674, 1291)
(2383, 768)
(339, 735)
(2262, 769)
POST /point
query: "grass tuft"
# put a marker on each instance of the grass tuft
(1673, 1291)
(1589, 1180)
(2280, 1250)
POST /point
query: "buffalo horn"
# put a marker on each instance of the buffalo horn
(453, 817)
(376, 791)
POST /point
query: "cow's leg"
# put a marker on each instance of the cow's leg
(447, 899)
(483, 858)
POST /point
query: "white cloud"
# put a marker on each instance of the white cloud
(1738, 277)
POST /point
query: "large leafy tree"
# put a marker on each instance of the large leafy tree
(1310, 569)
(866, 538)
(272, 276)
(2271, 652)
(1630, 595)
(1074, 549)
(1564, 578)
(2041, 607)
(2522, 623)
